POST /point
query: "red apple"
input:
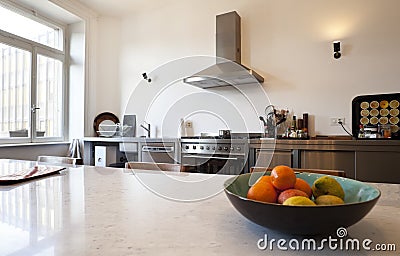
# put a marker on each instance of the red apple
(289, 193)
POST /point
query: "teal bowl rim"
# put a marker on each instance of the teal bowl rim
(232, 179)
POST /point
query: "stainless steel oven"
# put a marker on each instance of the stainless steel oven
(215, 155)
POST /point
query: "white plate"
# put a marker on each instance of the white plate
(106, 133)
(107, 128)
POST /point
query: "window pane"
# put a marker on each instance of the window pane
(27, 28)
(15, 84)
(49, 97)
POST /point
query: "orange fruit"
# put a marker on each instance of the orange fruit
(303, 186)
(264, 178)
(263, 191)
(283, 177)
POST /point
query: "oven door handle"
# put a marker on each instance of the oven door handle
(212, 157)
(157, 149)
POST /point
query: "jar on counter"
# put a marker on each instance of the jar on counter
(361, 132)
(386, 131)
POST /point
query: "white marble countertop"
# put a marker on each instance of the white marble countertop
(108, 211)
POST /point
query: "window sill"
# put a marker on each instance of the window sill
(33, 144)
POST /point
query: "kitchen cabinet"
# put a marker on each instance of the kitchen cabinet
(89, 147)
(271, 158)
(131, 149)
(365, 160)
(329, 160)
(378, 166)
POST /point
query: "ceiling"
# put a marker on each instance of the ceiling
(50, 10)
(114, 8)
(119, 7)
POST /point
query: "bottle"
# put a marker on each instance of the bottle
(305, 123)
(181, 130)
(294, 126)
(361, 132)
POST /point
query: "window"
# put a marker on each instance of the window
(25, 27)
(32, 67)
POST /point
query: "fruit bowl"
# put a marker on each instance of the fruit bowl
(360, 198)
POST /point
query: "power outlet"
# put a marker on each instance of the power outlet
(334, 121)
(188, 124)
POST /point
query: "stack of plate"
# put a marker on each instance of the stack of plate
(107, 128)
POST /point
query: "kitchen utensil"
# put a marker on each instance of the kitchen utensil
(263, 120)
(128, 126)
(360, 198)
(102, 117)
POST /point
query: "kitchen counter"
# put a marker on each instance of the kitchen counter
(125, 147)
(391, 145)
(129, 139)
(108, 211)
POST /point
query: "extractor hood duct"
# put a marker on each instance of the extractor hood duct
(228, 69)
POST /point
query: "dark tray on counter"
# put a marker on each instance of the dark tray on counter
(374, 110)
(29, 174)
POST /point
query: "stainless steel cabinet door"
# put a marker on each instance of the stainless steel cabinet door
(272, 158)
(375, 166)
(329, 160)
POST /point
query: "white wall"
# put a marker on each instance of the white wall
(76, 80)
(107, 95)
(288, 42)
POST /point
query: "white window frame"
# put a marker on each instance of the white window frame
(36, 48)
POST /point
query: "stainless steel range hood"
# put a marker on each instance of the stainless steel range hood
(228, 69)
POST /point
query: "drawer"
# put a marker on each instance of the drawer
(130, 147)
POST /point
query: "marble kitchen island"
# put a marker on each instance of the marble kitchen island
(91, 210)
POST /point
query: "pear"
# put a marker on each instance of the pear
(328, 200)
(299, 200)
(326, 185)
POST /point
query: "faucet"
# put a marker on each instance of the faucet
(146, 128)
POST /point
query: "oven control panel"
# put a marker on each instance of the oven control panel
(204, 148)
